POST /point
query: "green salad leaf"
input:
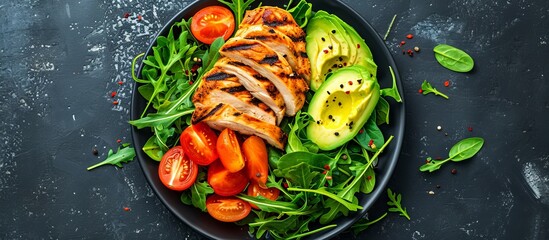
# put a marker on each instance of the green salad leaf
(124, 154)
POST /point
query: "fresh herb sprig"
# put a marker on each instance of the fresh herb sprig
(301, 12)
(363, 224)
(462, 150)
(395, 205)
(426, 88)
(124, 154)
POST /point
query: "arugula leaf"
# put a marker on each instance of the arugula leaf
(335, 210)
(395, 205)
(322, 191)
(426, 88)
(239, 8)
(199, 191)
(122, 155)
(363, 224)
(153, 149)
(268, 205)
(159, 119)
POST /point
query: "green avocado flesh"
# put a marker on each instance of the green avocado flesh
(341, 106)
(333, 44)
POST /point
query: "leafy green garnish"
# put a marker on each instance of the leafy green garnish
(426, 88)
(395, 205)
(239, 7)
(302, 12)
(462, 150)
(124, 154)
(453, 58)
(393, 90)
(363, 224)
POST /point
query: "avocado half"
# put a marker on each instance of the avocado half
(333, 44)
(341, 106)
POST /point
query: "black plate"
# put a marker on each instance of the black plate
(212, 228)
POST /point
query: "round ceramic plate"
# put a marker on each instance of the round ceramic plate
(201, 221)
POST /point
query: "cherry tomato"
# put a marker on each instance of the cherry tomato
(225, 183)
(255, 190)
(176, 170)
(198, 142)
(212, 22)
(227, 209)
(229, 151)
(257, 161)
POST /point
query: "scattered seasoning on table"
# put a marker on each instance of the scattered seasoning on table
(410, 36)
(445, 134)
(126, 15)
(120, 82)
(438, 186)
(439, 128)
(127, 209)
(94, 151)
(431, 192)
(139, 17)
(470, 129)
(402, 43)
(113, 94)
(410, 52)
(416, 49)
(420, 90)
(454, 171)
(115, 102)
(118, 141)
(447, 83)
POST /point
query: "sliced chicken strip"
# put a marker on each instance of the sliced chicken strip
(218, 86)
(225, 116)
(282, 21)
(259, 86)
(271, 65)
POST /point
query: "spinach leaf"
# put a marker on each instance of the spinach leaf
(122, 155)
(426, 88)
(392, 91)
(382, 111)
(453, 58)
(466, 149)
(302, 12)
(372, 137)
(462, 150)
(313, 159)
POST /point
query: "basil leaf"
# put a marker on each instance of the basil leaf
(453, 58)
(466, 149)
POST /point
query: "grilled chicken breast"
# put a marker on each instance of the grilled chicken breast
(221, 87)
(259, 86)
(271, 65)
(283, 22)
(223, 116)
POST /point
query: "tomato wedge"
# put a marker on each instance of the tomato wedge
(229, 151)
(198, 142)
(227, 209)
(212, 22)
(225, 183)
(255, 190)
(177, 171)
(257, 160)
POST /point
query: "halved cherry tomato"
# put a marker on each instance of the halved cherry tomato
(227, 209)
(255, 190)
(176, 170)
(257, 161)
(212, 22)
(225, 183)
(229, 151)
(198, 142)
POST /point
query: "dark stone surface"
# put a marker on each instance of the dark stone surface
(60, 61)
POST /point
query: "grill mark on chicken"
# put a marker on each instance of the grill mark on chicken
(303, 54)
(218, 76)
(235, 89)
(209, 114)
(240, 47)
(269, 60)
(297, 39)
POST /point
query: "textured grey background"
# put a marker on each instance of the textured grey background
(60, 60)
